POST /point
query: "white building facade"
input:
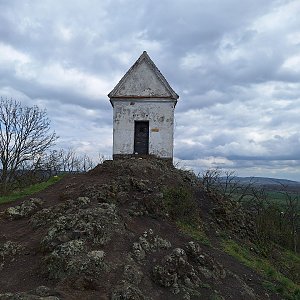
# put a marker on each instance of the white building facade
(143, 112)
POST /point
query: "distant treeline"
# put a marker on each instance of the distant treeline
(55, 162)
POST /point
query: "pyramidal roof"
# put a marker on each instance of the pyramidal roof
(143, 80)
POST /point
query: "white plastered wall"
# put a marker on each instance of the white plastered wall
(159, 113)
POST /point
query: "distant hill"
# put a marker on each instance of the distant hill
(270, 184)
(267, 181)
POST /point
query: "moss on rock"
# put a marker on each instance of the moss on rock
(8, 251)
(26, 209)
(127, 291)
(148, 242)
(96, 225)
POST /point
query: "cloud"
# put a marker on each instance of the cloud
(234, 64)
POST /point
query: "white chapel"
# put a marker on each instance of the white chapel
(143, 112)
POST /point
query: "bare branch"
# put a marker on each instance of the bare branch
(24, 135)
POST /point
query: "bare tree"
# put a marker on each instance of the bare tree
(87, 163)
(225, 183)
(292, 214)
(210, 179)
(24, 136)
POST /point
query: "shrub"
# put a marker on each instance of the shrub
(181, 205)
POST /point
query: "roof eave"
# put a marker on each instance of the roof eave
(113, 99)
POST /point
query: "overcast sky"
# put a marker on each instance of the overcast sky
(235, 65)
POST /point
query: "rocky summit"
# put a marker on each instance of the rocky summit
(128, 229)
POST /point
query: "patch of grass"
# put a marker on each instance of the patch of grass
(291, 257)
(30, 190)
(181, 205)
(194, 232)
(284, 285)
(290, 262)
(183, 209)
(295, 295)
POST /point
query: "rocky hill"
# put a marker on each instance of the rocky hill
(128, 229)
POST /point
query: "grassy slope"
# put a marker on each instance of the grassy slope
(285, 286)
(29, 190)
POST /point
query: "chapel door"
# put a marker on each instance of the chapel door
(141, 137)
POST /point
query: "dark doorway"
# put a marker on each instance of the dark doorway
(141, 137)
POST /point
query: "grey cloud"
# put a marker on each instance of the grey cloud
(236, 98)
